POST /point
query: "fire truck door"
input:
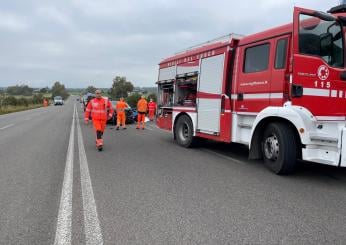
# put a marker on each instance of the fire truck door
(209, 94)
(253, 81)
(280, 71)
(318, 61)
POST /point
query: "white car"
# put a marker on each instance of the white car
(58, 100)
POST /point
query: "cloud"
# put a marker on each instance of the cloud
(79, 41)
(11, 22)
(50, 48)
(51, 13)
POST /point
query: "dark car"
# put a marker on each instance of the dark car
(128, 111)
(87, 98)
(135, 114)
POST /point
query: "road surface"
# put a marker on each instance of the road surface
(144, 189)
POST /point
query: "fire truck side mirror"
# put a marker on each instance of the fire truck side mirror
(297, 90)
(343, 75)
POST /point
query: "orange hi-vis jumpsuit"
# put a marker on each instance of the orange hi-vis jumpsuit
(142, 107)
(152, 109)
(121, 116)
(45, 102)
(101, 109)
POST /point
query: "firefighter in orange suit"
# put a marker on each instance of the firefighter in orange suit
(121, 116)
(45, 102)
(152, 109)
(101, 109)
(142, 107)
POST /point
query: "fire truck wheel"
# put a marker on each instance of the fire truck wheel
(184, 131)
(279, 148)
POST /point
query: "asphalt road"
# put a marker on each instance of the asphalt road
(55, 187)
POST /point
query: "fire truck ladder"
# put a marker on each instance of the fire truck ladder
(223, 39)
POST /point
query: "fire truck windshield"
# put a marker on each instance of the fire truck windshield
(321, 38)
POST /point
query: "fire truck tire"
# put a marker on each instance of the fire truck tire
(279, 148)
(183, 131)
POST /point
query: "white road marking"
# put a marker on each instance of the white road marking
(64, 224)
(223, 156)
(93, 234)
(7, 126)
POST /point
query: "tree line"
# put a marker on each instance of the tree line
(122, 88)
(11, 100)
(23, 95)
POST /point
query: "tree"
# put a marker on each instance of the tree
(120, 87)
(133, 99)
(152, 96)
(20, 90)
(90, 89)
(44, 90)
(59, 89)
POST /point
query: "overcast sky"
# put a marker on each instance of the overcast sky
(89, 42)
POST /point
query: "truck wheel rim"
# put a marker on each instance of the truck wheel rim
(271, 148)
(184, 132)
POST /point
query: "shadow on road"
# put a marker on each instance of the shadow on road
(305, 170)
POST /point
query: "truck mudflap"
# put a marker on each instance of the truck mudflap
(343, 148)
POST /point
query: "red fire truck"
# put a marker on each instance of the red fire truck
(282, 92)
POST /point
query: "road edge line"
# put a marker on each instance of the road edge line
(63, 232)
(92, 228)
(7, 126)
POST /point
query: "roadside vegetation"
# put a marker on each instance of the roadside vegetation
(22, 97)
(11, 103)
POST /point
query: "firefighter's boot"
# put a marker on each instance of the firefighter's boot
(99, 144)
(99, 140)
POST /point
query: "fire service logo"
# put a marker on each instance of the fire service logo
(323, 72)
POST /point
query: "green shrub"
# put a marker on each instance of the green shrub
(10, 100)
(23, 101)
(37, 99)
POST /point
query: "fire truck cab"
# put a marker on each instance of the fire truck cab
(282, 92)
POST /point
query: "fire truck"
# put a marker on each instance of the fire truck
(281, 92)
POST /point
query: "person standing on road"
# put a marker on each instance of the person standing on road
(101, 109)
(152, 109)
(142, 107)
(45, 102)
(121, 116)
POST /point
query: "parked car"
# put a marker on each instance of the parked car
(128, 111)
(87, 98)
(135, 114)
(58, 100)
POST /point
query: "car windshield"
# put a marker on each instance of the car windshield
(57, 98)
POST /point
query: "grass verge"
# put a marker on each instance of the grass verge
(11, 109)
